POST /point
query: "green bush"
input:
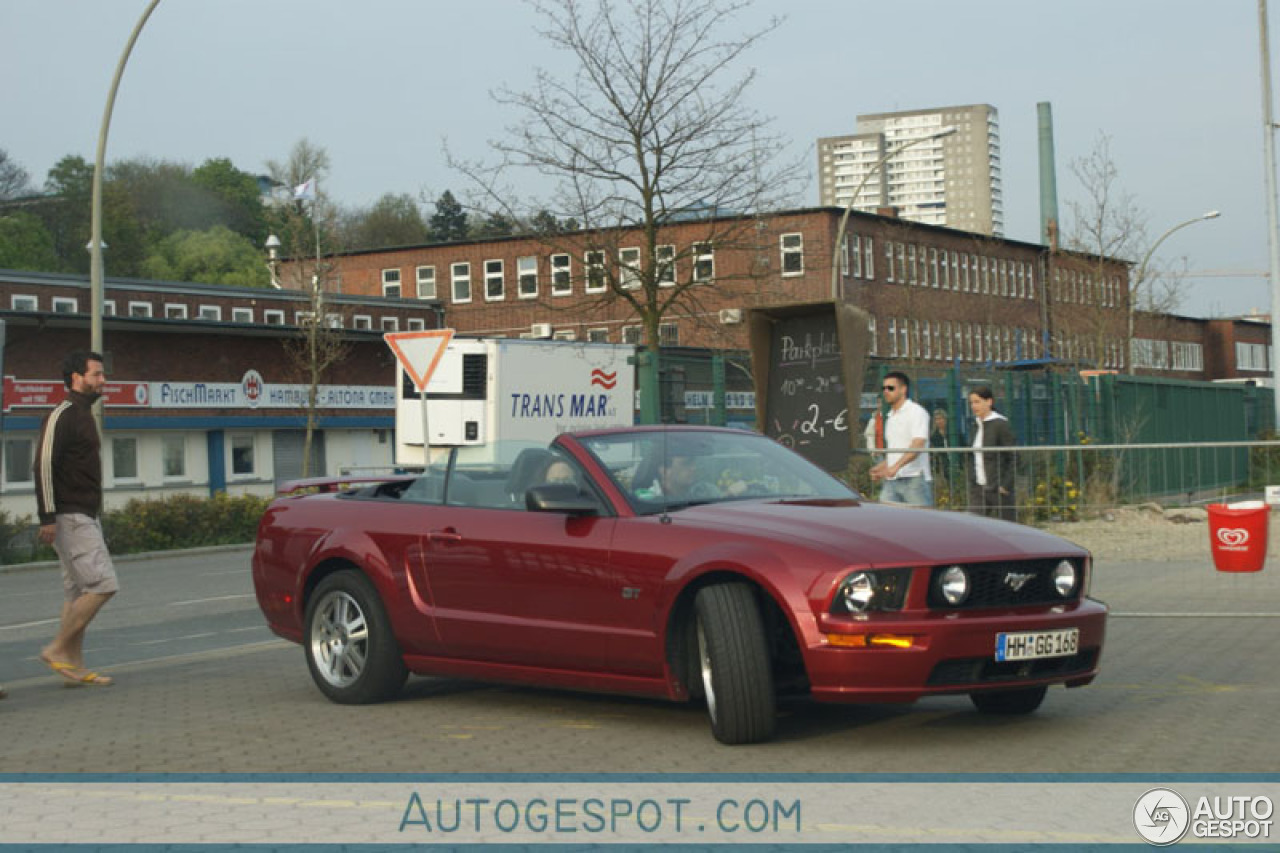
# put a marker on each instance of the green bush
(178, 521)
(182, 521)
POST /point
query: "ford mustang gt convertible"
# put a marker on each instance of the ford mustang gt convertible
(692, 564)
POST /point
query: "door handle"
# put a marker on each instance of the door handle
(446, 536)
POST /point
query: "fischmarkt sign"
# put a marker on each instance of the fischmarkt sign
(227, 395)
(253, 392)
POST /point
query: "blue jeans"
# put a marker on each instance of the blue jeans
(915, 491)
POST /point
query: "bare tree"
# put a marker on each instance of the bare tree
(1110, 232)
(649, 132)
(14, 180)
(306, 223)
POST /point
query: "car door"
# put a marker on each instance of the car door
(518, 587)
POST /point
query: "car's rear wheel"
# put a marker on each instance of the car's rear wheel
(351, 652)
(1021, 701)
(733, 657)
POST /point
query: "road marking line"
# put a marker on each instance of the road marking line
(29, 624)
(1201, 614)
(215, 598)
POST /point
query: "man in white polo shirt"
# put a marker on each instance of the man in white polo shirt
(904, 473)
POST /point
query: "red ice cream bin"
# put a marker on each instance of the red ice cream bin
(1238, 535)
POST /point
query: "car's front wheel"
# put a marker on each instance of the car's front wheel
(1021, 701)
(733, 657)
(351, 652)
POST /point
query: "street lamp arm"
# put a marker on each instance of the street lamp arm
(95, 240)
(848, 209)
(1142, 270)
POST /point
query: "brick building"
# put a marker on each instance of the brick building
(934, 295)
(201, 394)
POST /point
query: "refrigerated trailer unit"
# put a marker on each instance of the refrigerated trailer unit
(485, 390)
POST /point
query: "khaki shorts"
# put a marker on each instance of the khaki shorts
(86, 565)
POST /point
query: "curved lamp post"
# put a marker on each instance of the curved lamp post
(844, 220)
(1142, 271)
(95, 240)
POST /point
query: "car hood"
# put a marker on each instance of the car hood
(879, 533)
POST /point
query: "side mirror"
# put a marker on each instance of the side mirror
(561, 497)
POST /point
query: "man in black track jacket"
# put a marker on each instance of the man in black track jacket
(68, 477)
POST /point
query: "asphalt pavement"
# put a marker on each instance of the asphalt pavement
(1188, 685)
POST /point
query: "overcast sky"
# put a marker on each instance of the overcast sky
(382, 83)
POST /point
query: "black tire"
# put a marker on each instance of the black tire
(737, 677)
(353, 656)
(1021, 701)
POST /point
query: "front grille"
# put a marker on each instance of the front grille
(993, 585)
(992, 671)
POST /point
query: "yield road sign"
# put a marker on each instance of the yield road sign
(419, 352)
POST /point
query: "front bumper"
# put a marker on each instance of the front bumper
(951, 653)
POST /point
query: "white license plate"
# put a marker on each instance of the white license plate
(1028, 645)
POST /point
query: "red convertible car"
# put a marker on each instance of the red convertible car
(684, 563)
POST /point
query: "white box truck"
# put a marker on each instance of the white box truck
(485, 390)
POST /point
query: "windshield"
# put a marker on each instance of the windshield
(673, 468)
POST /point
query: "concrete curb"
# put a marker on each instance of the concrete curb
(15, 568)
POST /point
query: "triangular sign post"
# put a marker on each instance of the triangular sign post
(419, 353)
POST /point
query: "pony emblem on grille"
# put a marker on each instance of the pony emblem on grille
(1017, 580)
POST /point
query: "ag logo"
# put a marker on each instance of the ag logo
(1233, 536)
(1161, 817)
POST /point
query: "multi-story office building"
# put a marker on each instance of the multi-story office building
(952, 181)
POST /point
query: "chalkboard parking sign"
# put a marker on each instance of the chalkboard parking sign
(806, 399)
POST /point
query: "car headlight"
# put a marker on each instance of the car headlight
(865, 590)
(1065, 577)
(953, 584)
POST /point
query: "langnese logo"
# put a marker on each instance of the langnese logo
(1161, 817)
(1233, 537)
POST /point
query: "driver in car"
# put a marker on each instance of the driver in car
(677, 477)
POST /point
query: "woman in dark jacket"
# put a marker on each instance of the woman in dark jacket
(991, 474)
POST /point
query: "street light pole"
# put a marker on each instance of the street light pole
(95, 215)
(1273, 238)
(1142, 272)
(844, 219)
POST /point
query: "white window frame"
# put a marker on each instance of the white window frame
(18, 475)
(174, 311)
(145, 309)
(888, 258)
(416, 324)
(234, 439)
(599, 336)
(668, 334)
(791, 250)
(665, 259)
(561, 274)
(595, 271)
(214, 312)
(869, 256)
(460, 275)
(24, 302)
(108, 308)
(362, 322)
(629, 268)
(272, 317)
(61, 303)
(136, 476)
(704, 262)
(165, 442)
(527, 277)
(425, 278)
(495, 273)
(633, 335)
(391, 280)
(564, 335)
(241, 315)
(390, 324)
